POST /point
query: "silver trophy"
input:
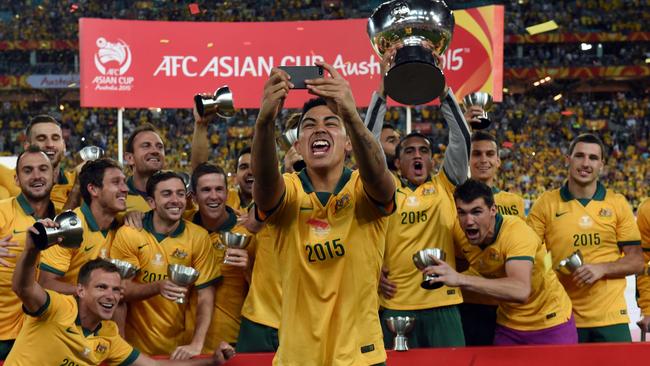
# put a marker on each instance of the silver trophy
(187, 180)
(70, 229)
(422, 259)
(400, 325)
(413, 29)
(568, 265)
(234, 241)
(91, 153)
(221, 103)
(182, 276)
(287, 139)
(126, 269)
(483, 100)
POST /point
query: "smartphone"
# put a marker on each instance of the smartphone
(299, 74)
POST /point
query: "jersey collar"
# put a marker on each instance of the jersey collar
(86, 332)
(132, 189)
(413, 187)
(230, 222)
(147, 224)
(62, 178)
(599, 195)
(92, 223)
(495, 190)
(497, 228)
(22, 201)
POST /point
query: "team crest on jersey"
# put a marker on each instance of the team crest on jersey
(412, 201)
(179, 253)
(605, 212)
(319, 227)
(585, 222)
(101, 348)
(102, 253)
(428, 191)
(341, 203)
(157, 259)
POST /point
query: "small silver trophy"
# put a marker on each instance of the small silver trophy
(126, 269)
(287, 139)
(221, 103)
(91, 153)
(422, 259)
(70, 229)
(400, 325)
(480, 99)
(182, 276)
(234, 241)
(568, 265)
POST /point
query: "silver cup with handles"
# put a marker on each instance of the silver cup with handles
(220, 103)
(483, 100)
(70, 230)
(400, 326)
(422, 259)
(182, 276)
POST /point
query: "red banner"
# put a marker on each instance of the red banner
(141, 64)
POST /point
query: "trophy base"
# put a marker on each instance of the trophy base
(414, 79)
(400, 344)
(430, 286)
(482, 124)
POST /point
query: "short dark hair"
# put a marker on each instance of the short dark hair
(86, 270)
(93, 173)
(204, 169)
(311, 103)
(398, 149)
(473, 189)
(389, 126)
(30, 150)
(41, 118)
(142, 128)
(242, 152)
(588, 138)
(481, 135)
(161, 176)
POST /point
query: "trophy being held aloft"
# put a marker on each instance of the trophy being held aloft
(220, 104)
(70, 231)
(413, 30)
(482, 100)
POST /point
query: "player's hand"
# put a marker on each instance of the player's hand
(198, 120)
(134, 219)
(644, 323)
(248, 221)
(383, 69)
(290, 158)
(171, 291)
(445, 273)
(48, 223)
(5, 247)
(336, 91)
(387, 288)
(276, 90)
(473, 113)
(236, 258)
(186, 352)
(223, 353)
(588, 274)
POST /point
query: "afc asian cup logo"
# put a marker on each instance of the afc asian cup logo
(109, 54)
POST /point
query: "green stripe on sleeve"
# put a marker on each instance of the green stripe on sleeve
(631, 242)
(131, 359)
(521, 258)
(51, 269)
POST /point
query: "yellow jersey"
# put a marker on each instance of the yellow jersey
(54, 336)
(66, 262)
(136, 199)
(230, 291)
(548, 304)
(331, 246)
(598, 227)
(234, 201)
(8, 187)
(156, 325)
(16, 215)
(62, 188)
(643, 281)
(509, 203)
(424, 218)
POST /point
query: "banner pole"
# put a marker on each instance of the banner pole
(120, 136)
(408, 120)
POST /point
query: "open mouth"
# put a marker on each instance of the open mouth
(174, 210)
(38, 184)
(213, 205)
(472, 233)
(249, 180)
(320, 147)
(418, 168)
(50, 153)
(107, 305)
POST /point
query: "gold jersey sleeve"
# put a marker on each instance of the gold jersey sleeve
(234, 201)
(548, 304)
(598, 228)
(424, 218)
(643, 280)
(8, 183)
(66, 262)
(54, 336)
(62, 188)
(331, 247)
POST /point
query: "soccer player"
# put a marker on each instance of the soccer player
(8, 187)
(479, 313)
(209, 184)
(241, 197)
(584, 215)
(145, 154)
(331, 225)
(76, 330)
(425, 219)
(155, 324)
(643, 281)
(104, 191)
(34, 177)
(45, 132)
(508, 262)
